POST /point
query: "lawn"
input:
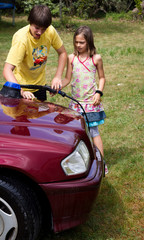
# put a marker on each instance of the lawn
(118, 211)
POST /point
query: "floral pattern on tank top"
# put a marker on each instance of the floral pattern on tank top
(84, 85)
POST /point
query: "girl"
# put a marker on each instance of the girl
(83, 64)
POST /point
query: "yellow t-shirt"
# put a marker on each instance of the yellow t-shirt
(29, 55)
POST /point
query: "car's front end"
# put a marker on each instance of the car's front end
(50, 146)
(71, 201)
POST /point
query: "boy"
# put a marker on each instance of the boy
(26, 60)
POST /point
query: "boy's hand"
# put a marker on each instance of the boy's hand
(56, 83)
(27, 95)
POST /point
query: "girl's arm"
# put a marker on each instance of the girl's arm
(99, 64)
(68, 75)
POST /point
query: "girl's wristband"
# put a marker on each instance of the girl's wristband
(100, 92)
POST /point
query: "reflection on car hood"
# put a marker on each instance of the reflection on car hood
(27, 117)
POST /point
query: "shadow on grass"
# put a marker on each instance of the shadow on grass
(123, 156)
(106, 219)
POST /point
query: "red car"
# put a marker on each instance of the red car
(50, 172)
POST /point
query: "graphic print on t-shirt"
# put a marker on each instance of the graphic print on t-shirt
(39, 56)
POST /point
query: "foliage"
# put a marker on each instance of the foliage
(89, 9)
(81, 8)
(138, 5)
(85, 9)
(30, 3)
(116, 5)
(23, 6)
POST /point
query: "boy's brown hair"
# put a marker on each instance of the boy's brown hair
(40, 15)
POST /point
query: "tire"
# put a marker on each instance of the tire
(20, 213)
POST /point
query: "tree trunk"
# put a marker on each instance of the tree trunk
(60, 10)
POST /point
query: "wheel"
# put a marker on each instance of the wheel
(20, 213)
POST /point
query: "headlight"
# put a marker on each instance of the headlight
(78, 161)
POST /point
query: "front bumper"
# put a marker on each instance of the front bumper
(71, 201)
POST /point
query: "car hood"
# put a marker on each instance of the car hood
(37, 135)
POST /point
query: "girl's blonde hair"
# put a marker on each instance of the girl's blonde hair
(88, 36)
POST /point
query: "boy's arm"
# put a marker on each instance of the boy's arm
(8, 73)
(68, 75)
(62, 56)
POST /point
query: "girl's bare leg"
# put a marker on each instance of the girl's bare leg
(99, 144)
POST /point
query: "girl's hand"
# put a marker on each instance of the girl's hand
(96, 99)
(27, 95)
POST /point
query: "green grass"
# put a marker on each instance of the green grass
(117, 213)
